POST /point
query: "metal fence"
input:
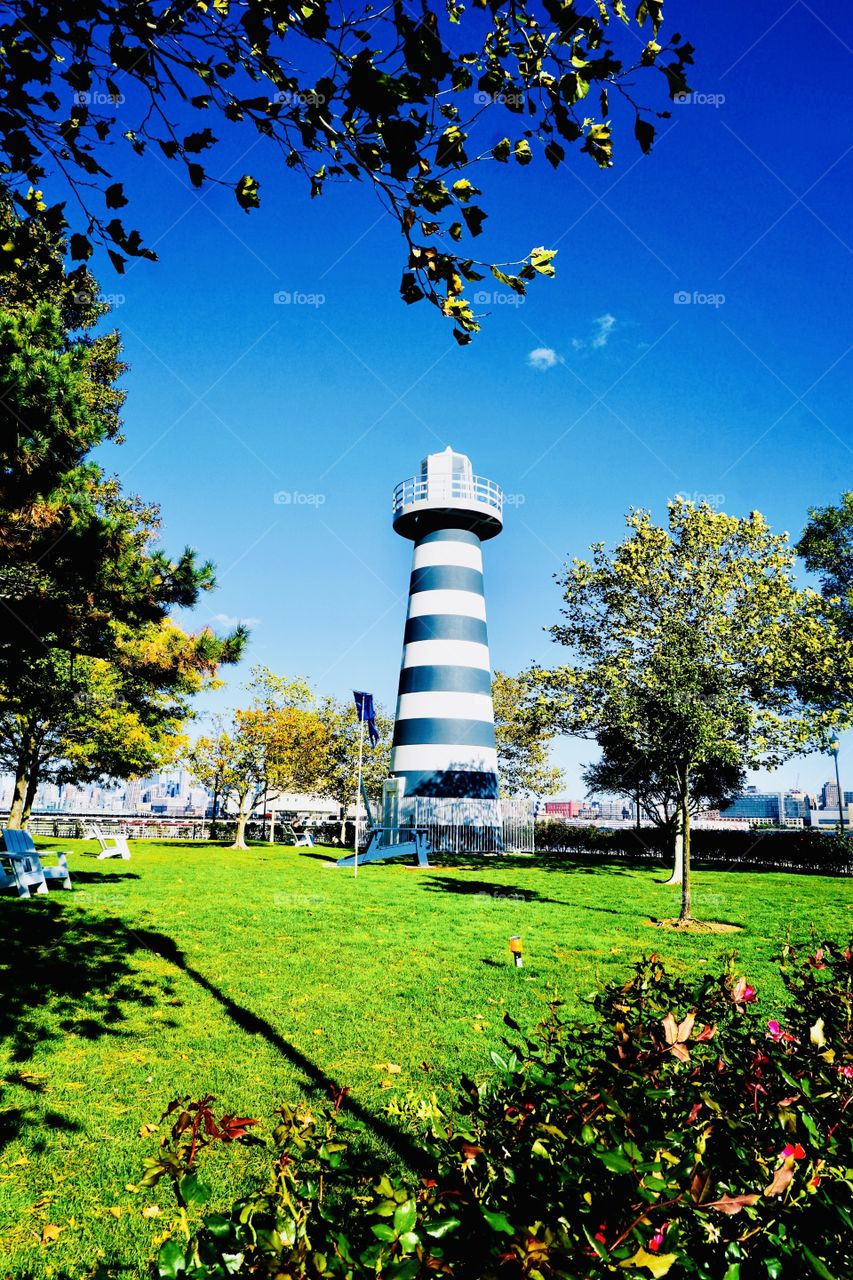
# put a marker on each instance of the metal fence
(453, 826)
(472, 826)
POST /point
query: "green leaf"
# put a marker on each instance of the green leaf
(464, 190)
(501, 150)
(383, 1232)
(80, 246)
(498, 1222)
(171, 1261)
(444, 1227)
(615, 1161)
(644, 132)
(540, 260)
(405, 1217)
(817, 1265)
(246, 192)
(193, 1190)
(522, 152)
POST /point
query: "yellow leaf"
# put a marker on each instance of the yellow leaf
(151, 1211)
(115, 1210)
(657, 1263)
(50, 1233)
(816, 1034)
(146, 1130)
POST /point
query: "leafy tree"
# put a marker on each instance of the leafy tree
(689, 641)
(277, 744)
(409, 101)
(81, 719)
(523, 744)
(625, 769)
(81, 577)
(826, 546)
(340, 769)
(76, 554)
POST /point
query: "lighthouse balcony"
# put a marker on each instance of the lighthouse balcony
(424, 503)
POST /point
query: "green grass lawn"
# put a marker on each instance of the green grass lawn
(264, 976)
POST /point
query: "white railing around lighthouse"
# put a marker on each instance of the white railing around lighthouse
(445, 490)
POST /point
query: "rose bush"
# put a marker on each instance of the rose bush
(680, 1132)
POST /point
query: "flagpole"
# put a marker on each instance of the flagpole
(358, 790)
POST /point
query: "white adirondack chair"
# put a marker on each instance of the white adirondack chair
(112, 846)
(19, 845)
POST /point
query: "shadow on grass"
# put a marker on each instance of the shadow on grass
(486, 889)
(403, 1146)
(65, 973)
(100, 877)
(543, 862)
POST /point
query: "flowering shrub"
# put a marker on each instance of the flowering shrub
(679, 1133)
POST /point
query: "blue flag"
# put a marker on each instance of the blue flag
(364, 707)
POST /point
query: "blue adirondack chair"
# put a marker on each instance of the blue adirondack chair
(19, 844)
(21, 873)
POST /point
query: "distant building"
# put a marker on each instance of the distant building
(563, 808)
(829, 795)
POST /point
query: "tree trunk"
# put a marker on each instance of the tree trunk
(19, 796)
(685, 916)
(677, 876)
(32, 788)
(240, 833)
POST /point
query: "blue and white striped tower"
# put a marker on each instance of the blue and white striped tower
(444, 734)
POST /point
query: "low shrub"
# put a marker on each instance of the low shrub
(678, 1133)
(801, 850)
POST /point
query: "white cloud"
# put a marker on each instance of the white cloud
(542, 358)
(604, 328)
(226, 620)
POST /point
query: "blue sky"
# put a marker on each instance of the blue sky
(741, 395)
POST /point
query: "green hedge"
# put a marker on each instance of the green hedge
(803, 850)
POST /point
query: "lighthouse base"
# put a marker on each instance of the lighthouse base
(456, 824)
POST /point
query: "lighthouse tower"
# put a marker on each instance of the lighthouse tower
(444, 736)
